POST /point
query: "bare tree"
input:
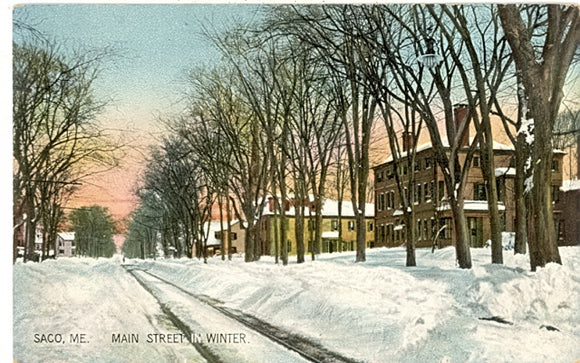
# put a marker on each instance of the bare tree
(55, 134)
(542, 62)
(329, 31)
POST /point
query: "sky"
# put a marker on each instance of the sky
(155, 46)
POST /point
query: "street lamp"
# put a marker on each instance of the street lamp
(430, 59)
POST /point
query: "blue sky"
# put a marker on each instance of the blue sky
(158, 45)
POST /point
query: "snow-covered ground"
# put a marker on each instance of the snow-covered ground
(377, 311)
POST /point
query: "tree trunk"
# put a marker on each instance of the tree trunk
(488, 171)
(543, 243)
(463, 254)
(411, 238)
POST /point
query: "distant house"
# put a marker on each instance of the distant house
(65, 244)
(567, 222)
(338, 229)
(432, 211)
(214, 238)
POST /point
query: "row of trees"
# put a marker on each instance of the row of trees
(293, 107)
(94, 228)
(56, 139)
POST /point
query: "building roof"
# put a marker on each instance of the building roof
(330, 234)
(214, 227)
(509, 171)
(329, 209)
(445, 142)
(67, 236)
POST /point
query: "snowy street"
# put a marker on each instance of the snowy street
(377, 311)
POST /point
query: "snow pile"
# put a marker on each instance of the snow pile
(377, 311)
(381, 311)
(96, 298)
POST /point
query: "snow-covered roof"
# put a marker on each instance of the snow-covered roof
(472, 205)
(214, 227)
(330, 234)
(329, 208)
(509, 171)
(568, 185)
(67, 236)
(445, 142)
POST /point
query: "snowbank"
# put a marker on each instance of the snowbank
(377, 311)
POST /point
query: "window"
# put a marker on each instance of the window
(432, 189)
(419, 229)
(433, 226)
(369, 226)
(417, 166)
(382, 233)
(446, 233)
(428, 163)
(425, 230)
(233, 236)
(351, 225)
(379, 176)
(554, 165)
(441, 187)
(479, 192)
(419, 197)
(555, 194)
(334, 225)
(559, 224)
(426, 191)
(475, 162)
(389, 172)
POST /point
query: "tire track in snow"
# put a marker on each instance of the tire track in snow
(307, 349)
(200, 347)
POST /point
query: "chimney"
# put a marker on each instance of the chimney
(461, 112)
(270, 204)
(407, 141)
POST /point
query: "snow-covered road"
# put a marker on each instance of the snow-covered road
(224, 339)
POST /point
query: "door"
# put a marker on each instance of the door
(475, 228)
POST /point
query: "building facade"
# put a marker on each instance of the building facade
(65, 244)
(567, 221)
(339, 227)
(214, 238)
(433, 217)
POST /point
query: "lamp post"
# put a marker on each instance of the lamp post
(430, 58)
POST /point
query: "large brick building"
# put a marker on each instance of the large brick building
(432, 212)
